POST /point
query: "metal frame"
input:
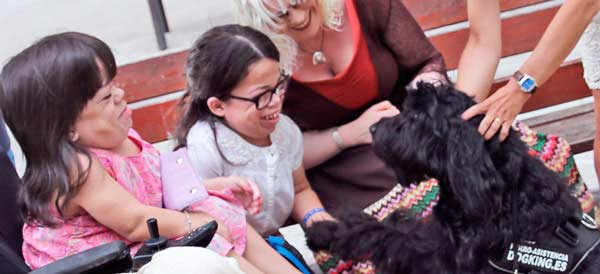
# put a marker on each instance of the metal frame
(160, 22)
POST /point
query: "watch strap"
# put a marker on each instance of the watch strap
(518, 75)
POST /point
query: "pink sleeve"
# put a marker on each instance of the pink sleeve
(220, 245)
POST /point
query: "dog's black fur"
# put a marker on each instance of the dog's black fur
(473, 219)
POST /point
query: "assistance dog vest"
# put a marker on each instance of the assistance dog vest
(562, 251)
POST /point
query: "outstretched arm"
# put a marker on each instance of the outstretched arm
(305, 200)
(558, 40)
(480, 57)
(111, 205)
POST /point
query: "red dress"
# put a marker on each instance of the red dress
(390, 49)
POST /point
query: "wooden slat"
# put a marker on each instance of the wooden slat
(565, 85)
(153, 77)
(576, 125)
(166, 74)
(436, 13)
(519, 34)
(153, 122)
(156, 121)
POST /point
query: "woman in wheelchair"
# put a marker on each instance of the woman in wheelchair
(90, 178)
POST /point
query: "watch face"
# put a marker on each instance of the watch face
(528, 85)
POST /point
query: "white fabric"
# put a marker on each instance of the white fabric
(269, 167)
(590, 55)
(190, 260)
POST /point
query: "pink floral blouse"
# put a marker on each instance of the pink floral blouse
(138, 174)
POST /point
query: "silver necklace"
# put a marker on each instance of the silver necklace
(318, 57)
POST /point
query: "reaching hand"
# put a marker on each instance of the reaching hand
(319, 217)
(245, 191)
(432, 77)
(357, 132)
(500, 110)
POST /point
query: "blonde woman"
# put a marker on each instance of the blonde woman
(351, 61)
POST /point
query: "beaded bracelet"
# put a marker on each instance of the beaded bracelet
(311, 213)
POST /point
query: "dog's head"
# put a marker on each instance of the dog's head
(429, 139)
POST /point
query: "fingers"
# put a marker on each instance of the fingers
(256, 195)
(257, 200)
(485, 124)
(393, 111)
(383, 105)
(252, 196)
(473, 111)
(319, 217)
(493, 128)
(505, 130)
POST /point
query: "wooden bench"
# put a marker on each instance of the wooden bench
(153, 86)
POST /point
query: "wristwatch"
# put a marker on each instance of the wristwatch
(526, 82)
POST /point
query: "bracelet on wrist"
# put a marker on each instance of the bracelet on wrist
(189, 221)
(337, 139)
(310, 213)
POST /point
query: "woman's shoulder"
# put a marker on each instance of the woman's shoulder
(200, 133)
(287, 131)
(372, 12)
(287, 124)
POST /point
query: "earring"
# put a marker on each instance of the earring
(73, 135)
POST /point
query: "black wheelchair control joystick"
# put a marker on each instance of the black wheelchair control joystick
(155, 242)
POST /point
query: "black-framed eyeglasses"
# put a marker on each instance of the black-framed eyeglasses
(263, 99)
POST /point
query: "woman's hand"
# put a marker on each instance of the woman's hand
(319, 217)
(246, 191)
(500, 110)
(357, 132)
(431, 77)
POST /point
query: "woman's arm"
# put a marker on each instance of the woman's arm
(111, 205)
(479, 59)
(558, 40)
(415, 56)
(305, 200)
(319, 146)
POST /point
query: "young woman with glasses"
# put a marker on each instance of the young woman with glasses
(232, 124)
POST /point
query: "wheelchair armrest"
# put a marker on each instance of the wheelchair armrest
(112, 257)
(200, 237)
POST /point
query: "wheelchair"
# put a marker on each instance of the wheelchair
(113, 257)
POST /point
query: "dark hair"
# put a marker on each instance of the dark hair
(46, 87)
(218, 61)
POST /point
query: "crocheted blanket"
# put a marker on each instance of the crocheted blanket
(419, 199)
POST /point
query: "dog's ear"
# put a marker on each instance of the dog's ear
(471, 174)
(451, 148)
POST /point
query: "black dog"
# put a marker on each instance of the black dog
(491, 194)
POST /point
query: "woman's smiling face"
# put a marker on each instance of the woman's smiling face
(300, 20)
(255, 125)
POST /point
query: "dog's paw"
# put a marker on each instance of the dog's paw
(321, 234)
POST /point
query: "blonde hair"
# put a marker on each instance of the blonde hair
(255, 14)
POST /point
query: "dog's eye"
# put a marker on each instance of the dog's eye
(373, 128)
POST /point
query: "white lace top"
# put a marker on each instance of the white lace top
(269, 167)
(590, 54)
